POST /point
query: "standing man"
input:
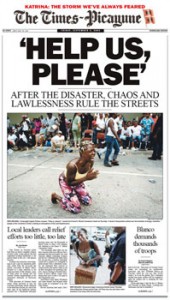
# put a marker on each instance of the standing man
(146, 123)
(112, 140)
(51, 123)
(84, 123)
(100, 127)
(117, 257)
(25, 126)
(157, 139)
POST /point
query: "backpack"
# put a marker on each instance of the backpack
(99, 262)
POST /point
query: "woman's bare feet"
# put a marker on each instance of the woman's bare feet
(55, 198)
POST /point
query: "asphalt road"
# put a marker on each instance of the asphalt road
(132, 190)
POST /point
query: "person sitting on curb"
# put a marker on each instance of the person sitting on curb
(41, 136)
(58, 142)
(136, 134)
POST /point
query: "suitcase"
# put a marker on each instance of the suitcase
(85, 275)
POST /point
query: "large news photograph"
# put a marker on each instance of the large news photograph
(85, 165)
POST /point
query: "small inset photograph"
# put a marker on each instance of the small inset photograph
(85, 166)
(98, 255)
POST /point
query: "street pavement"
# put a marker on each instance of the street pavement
(132, 190)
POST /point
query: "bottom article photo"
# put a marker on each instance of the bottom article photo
(98, 255)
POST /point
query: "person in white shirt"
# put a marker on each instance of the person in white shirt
(22, 142)
(136, 134)
(8, 122)
(125, 136)
(119, 122)
(99, 127)
(58, 142)
(112, 141)
(25, 123)
(51, 123)
(11, 139)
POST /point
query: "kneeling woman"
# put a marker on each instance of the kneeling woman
(72, 180)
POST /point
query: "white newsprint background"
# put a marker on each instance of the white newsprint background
(19, 84)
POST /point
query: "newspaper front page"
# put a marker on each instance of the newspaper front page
(85, 119)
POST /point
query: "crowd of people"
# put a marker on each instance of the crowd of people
(145, 133)
(50, 131)
(108, 132)
(89, 254)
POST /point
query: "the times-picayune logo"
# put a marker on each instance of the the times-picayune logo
(91, 17)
